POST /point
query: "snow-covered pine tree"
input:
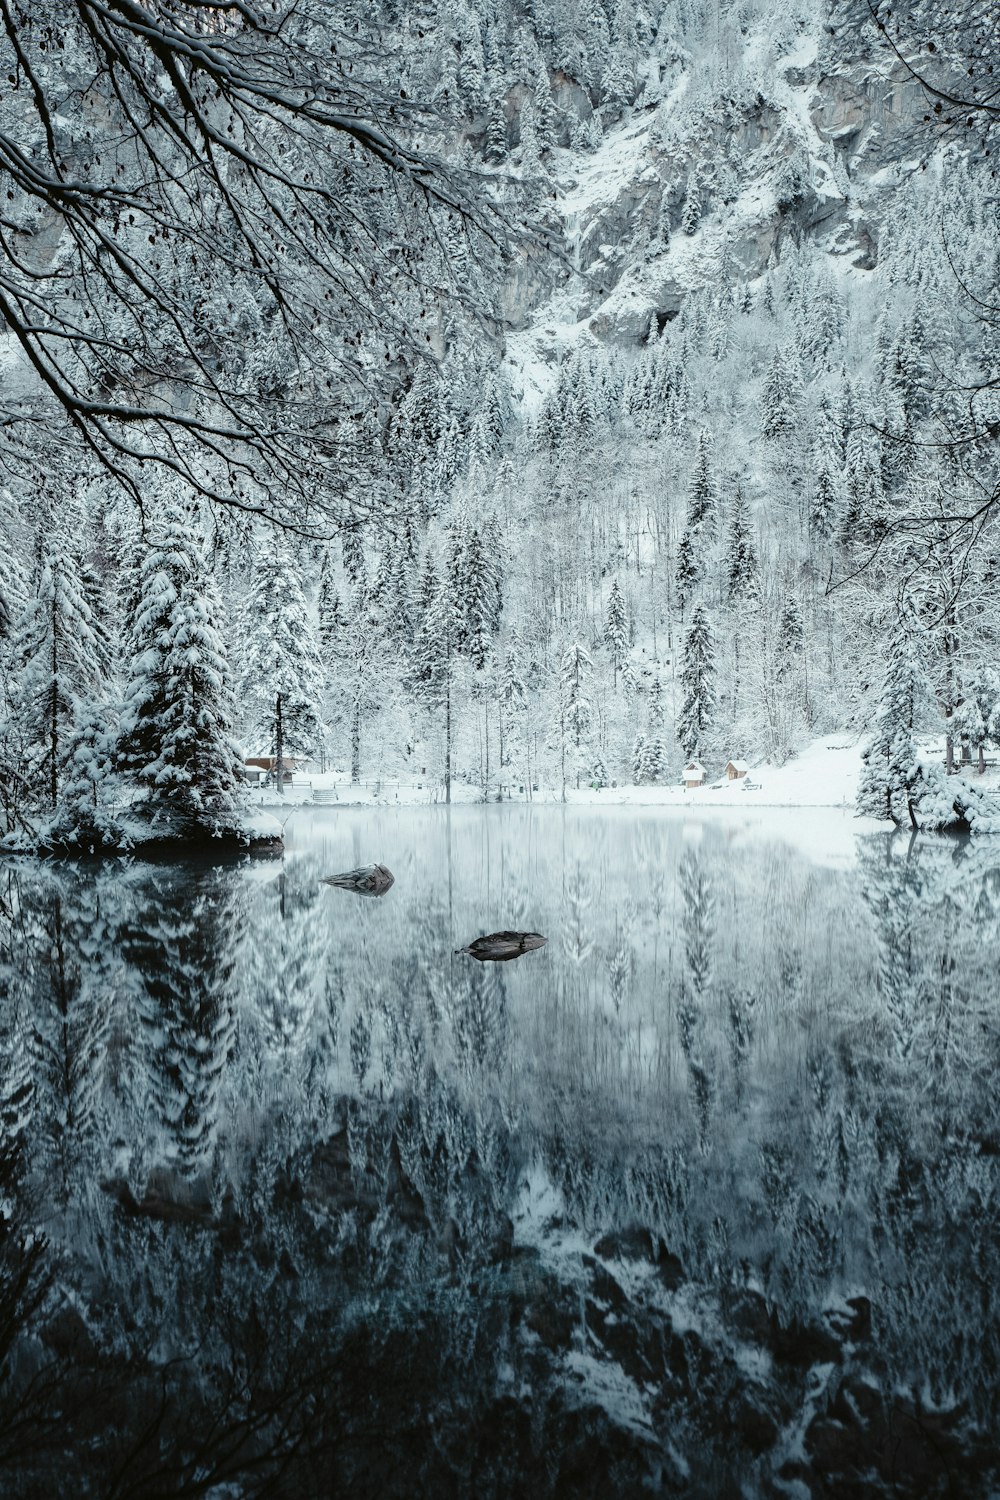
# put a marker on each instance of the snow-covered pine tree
(330, 617)
(512, 697)
(697, 715)
(616, 631)
(891, 776)
(575, 708)
(55, 666)
(87, 818)
(283, 676)
(689, 567)
(703, 494)
(978, 714)
(176, 739)
(776, 398)
(691, 212)
(652, 760)
(353, 553)
(480, 600)
(742, 577)
(824, 508)
(435, 649)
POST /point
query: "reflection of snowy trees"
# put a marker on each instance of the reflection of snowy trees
(344, 1117)
(181, 941)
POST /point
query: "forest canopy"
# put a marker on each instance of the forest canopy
(219, 243)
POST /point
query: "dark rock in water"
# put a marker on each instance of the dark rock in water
(498, 947)
(632, 1243)
(369, 880)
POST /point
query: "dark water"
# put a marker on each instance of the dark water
(702, 1198)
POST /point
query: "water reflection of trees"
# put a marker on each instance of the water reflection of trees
(281, 1162)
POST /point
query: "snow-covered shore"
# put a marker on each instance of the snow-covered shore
(824, 774)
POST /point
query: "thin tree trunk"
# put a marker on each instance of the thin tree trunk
(486, 711)
(54, 715)
(279, 746)
(447, 734)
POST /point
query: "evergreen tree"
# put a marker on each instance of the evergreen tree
(689, 567)
(283, 677)
(330, 617)
(742, 580)
(176, 741)
(702, 495)
(691, 212)
(55, 665)
(891, 775)
(651, 760)
(512, 697)
(575, 709)
(616, 631)
(353, 553)
(825, 506)
(697, 715)
(777, 404)
(434, 654)
(86, 818)
(791, 634)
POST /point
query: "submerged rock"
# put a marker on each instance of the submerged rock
(498, 947)
(369, 880)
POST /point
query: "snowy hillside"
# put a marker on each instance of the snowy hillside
(670, 421)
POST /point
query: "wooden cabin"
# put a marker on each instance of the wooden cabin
(694, 774)
(256, 767)
(736, 768)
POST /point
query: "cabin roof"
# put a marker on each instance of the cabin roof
(738, 765)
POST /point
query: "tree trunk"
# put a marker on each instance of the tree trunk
(447, 735)
(949, 753)
(54, 716)
(981, 767)
(486, 711)
(279, 746)
(356, 741)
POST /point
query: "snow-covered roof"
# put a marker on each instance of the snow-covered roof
(738, 765)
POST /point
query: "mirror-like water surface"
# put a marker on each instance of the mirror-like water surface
(700, 1198)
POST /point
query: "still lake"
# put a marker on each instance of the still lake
(702, 1198)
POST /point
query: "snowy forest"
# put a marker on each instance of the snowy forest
(485, 404)
(491, 393)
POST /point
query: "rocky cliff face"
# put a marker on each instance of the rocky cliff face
(714, 170)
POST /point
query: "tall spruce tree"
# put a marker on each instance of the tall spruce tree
(55, 666)
(651, 758)
(176, 741)
(891, 775)
(575, 708)
(283, 677)
(697, 715)
(742, 579)
(616, 631)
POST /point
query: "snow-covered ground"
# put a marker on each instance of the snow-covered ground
(824, 774)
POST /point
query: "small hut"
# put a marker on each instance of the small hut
(736, 768)
(694, 774)
(256, 767)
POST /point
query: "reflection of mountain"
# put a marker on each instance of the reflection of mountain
(718, 1210)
